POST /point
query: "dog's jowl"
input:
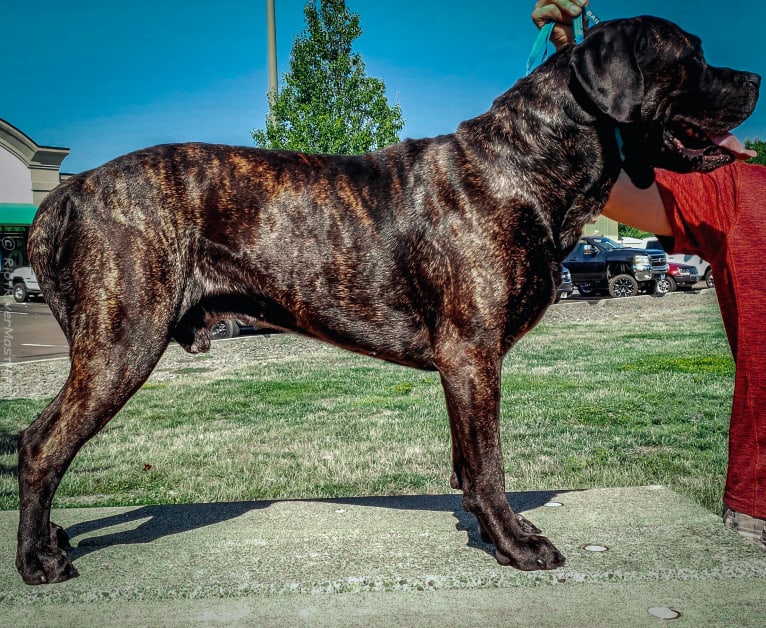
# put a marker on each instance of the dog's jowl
(436, 254)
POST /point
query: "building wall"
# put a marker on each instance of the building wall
(603, 226)
(28, 171)
(15, 179)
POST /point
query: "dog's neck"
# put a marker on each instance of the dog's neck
(542, 143)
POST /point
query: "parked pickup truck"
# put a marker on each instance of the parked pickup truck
(23, 283)
(599, 265)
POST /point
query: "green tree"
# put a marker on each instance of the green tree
(626, 231)
(760, 147)
(327, 103)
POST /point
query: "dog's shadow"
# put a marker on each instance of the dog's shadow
(466, 522)
(160, 521)
(155, 522)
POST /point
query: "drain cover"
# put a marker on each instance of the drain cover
(663, 612)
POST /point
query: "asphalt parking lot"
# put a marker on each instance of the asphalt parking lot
(30, 333)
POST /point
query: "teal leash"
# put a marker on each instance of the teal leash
(540, 51)
(540, 48)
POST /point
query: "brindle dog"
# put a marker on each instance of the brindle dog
(437, 254)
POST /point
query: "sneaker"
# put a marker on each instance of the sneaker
(754, 530)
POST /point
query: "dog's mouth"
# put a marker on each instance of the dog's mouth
(702, 149)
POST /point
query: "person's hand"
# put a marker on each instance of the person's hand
(561, 12)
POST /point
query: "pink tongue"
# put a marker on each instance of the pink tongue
(733, 145)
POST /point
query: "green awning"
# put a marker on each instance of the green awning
(17, 214)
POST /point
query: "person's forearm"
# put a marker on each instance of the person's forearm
(638, 208)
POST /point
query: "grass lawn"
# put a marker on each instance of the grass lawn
(628, 392)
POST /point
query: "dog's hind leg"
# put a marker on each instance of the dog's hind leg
(105, 372)
(471, 384)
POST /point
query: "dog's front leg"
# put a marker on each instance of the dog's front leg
(471, 382)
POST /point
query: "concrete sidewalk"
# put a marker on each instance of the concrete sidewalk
(407, 561)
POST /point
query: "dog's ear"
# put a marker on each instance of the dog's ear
(605, 70)
(605, 66)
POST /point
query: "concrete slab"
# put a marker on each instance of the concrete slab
(391, 561)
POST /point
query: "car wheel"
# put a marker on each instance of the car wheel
(586, 290)
(623, 286)
(709, 279)
(664, 286)
(20, 292)
(226, 328)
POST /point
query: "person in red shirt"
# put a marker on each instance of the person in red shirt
(718, 216)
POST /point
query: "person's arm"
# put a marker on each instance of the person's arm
(561, 12)
(638, 208)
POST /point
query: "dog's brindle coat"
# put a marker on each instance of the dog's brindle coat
(437, 254)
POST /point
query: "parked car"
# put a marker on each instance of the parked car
(24, 284)
(680, 277)
(566, 287)
(231, 328)
(599, 265)
(227, 328)
(703, 268)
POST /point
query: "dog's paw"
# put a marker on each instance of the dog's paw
(533, 552)
(526, 525)
(46, 567)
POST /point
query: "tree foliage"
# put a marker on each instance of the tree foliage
(327, 103)
(626, 231)
(760, 147)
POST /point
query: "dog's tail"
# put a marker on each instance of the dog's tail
(47, 247)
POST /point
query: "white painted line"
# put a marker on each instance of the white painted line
(24, 344)
(12, 364)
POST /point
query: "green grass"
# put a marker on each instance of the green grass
(628, 398)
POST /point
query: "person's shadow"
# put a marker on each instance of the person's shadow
(161, 521)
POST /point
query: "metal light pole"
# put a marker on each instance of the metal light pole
(271, 37)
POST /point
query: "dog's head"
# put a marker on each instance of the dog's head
(673, 110)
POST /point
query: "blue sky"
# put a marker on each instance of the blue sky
(106, 78)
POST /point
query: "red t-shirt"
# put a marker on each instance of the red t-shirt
(721, 216)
